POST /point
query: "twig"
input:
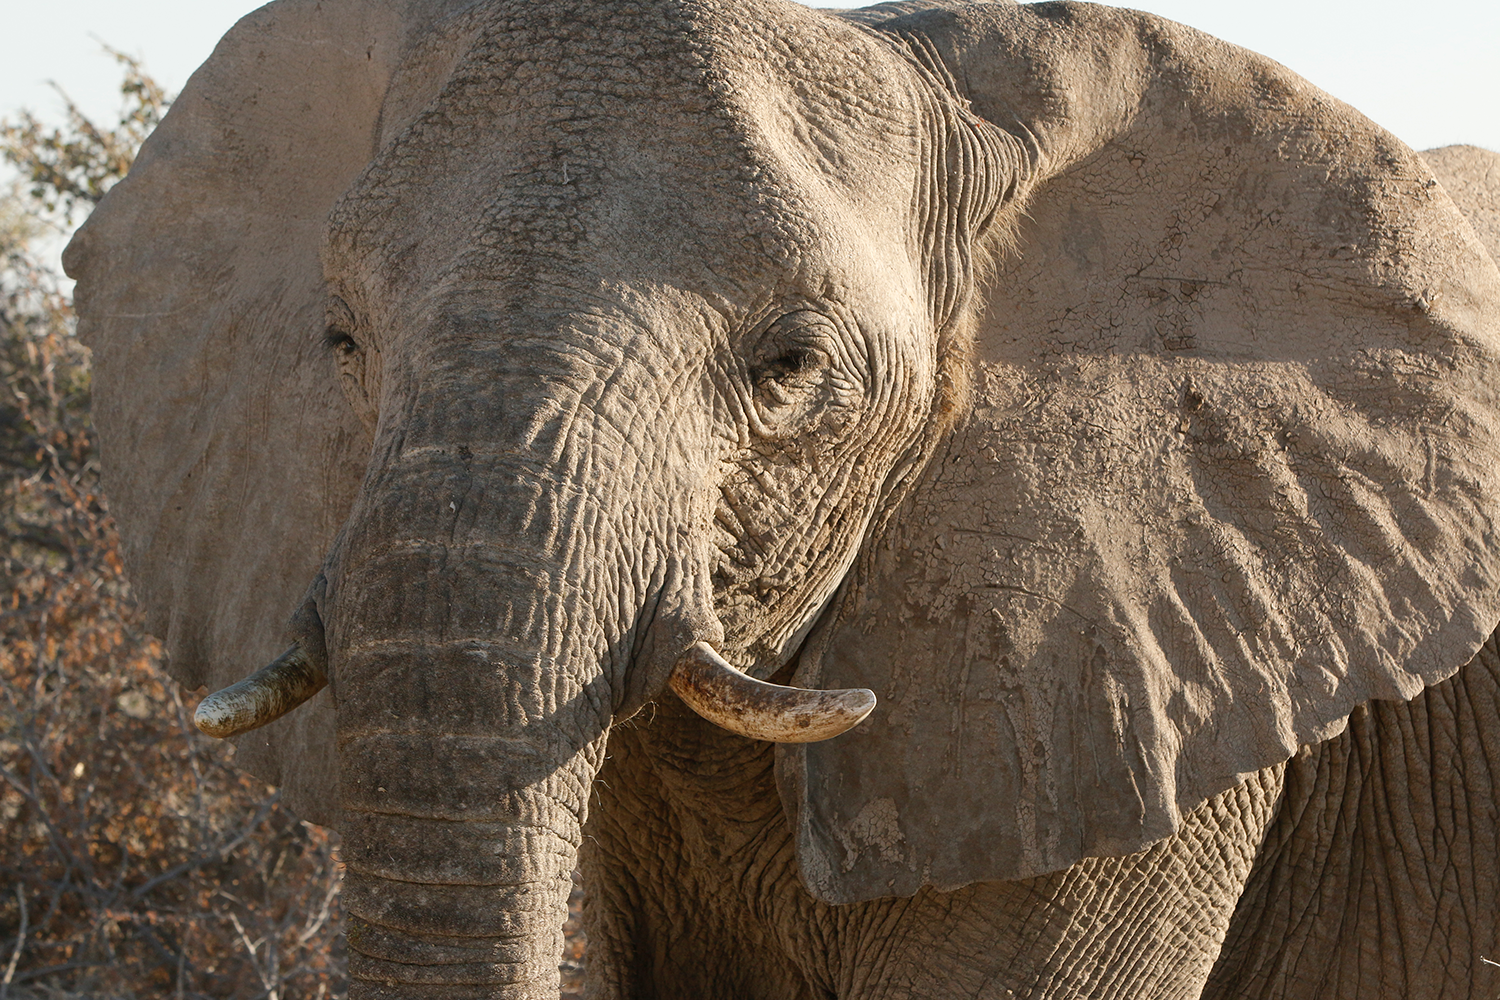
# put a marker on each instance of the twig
(15, 956)
(269, 982)
(315, 923)
(182, 959)
(53, 970)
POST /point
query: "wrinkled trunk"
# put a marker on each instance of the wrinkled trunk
(473, 698)
(459, 845)
(467, 751)
(409, 937)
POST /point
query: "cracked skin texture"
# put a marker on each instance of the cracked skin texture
(1118, 406)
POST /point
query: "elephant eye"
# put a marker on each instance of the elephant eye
(796, 376)
(795, 354)
(789, 375)
(341, 342)
(358, 368)
(339, 320)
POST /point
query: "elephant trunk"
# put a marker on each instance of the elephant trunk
(459, 908)
(473, 678)
(459, 836)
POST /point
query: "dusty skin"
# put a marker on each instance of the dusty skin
(1117, 407)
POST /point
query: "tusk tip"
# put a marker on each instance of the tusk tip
(214, 718)
(758, 710)
(836, 712)
(858, 702)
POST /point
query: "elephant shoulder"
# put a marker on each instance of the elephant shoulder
(1385, 844)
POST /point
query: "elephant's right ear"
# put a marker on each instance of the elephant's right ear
(1232, 465)
(230, 455)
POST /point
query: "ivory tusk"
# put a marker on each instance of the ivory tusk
(735, 701)
(264, 696)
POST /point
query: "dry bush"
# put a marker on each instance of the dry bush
(137, 861)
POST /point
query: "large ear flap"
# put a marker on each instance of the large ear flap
(1230, 468)
(1471, 176)
(230, 454)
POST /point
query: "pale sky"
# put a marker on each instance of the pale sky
(1429, 71)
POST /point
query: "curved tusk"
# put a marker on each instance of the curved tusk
(735, 701)
(264, 696)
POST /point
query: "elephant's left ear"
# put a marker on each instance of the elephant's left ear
(1231, 468)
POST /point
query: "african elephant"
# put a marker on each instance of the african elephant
(1115, 406)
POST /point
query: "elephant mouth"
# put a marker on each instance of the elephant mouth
(704, 680)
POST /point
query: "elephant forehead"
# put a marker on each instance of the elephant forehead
(663, 135)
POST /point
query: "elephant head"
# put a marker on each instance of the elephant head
(1113, 404)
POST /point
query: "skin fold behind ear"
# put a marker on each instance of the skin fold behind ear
(230, 454)
(1230, 468)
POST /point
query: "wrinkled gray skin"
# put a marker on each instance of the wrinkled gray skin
(1135, 425)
